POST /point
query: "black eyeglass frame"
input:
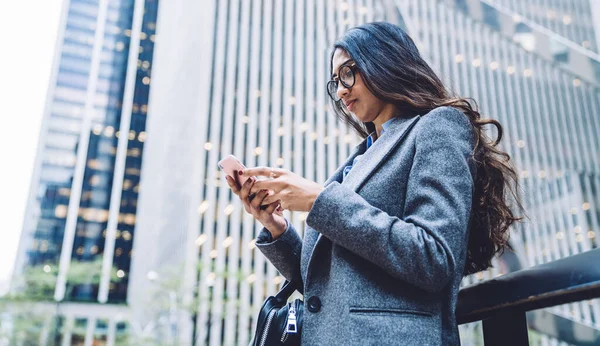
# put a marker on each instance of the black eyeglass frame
(353, 69)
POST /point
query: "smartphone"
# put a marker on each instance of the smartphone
(231, 165)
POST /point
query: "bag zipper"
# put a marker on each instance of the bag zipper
(263, 340)
(291, 325)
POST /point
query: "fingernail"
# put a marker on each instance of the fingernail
(241, 172)
(252, 179)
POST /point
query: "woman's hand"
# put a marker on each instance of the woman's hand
(293, 191)
(270, 215)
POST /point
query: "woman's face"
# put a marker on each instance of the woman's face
(357, 99)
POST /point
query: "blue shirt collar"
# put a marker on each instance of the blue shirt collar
(384, 126)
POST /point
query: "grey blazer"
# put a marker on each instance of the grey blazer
(384, 251)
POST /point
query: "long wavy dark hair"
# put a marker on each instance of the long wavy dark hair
(393, 70)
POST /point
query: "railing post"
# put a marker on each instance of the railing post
(506, 329)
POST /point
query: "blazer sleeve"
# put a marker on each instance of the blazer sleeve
(427, 246)
(283, 252)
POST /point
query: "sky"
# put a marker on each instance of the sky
(28, 30)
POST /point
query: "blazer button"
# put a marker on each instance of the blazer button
(314, 304)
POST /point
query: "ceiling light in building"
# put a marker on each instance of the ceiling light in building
(252, 244)
(227, 242)
(47, 269)
(510, 70)
(109, 131)
(280, 161)
(494, 65)
(213, 253)
(201, 240)
(251, 278)
(576, 82)
(258, 151)
(203, 206)
(60, 211)
(560, 235)
(476, 62)
(521, 143)
(208, 145)
(458, 58)
(585, 206)
(567, 19)
(344, 6)
(97, 129)
(527, 73)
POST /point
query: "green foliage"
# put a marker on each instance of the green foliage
(22, 310)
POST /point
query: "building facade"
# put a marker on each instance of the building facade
(83, 195)
(253, 85)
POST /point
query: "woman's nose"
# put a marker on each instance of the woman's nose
(342, 90)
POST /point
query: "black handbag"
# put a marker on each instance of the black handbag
(280, 322)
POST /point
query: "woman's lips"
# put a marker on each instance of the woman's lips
(351, 105)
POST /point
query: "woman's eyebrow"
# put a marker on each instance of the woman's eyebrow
(342, 64)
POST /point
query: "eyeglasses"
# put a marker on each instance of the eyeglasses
(346, 75)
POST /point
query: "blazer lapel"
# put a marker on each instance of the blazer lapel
(368, 163)
(378, 152)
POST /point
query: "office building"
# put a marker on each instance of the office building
(83, 195)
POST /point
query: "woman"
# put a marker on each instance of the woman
(420, 202)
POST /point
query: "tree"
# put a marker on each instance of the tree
(26, 311)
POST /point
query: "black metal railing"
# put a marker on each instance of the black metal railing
(505, 304)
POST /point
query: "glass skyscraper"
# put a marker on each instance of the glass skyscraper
(83, 200)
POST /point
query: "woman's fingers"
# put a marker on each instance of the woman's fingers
(246, 188)
(270, 199)
(258, 199)
(272, 207)
(233, 185)
(263, 171)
